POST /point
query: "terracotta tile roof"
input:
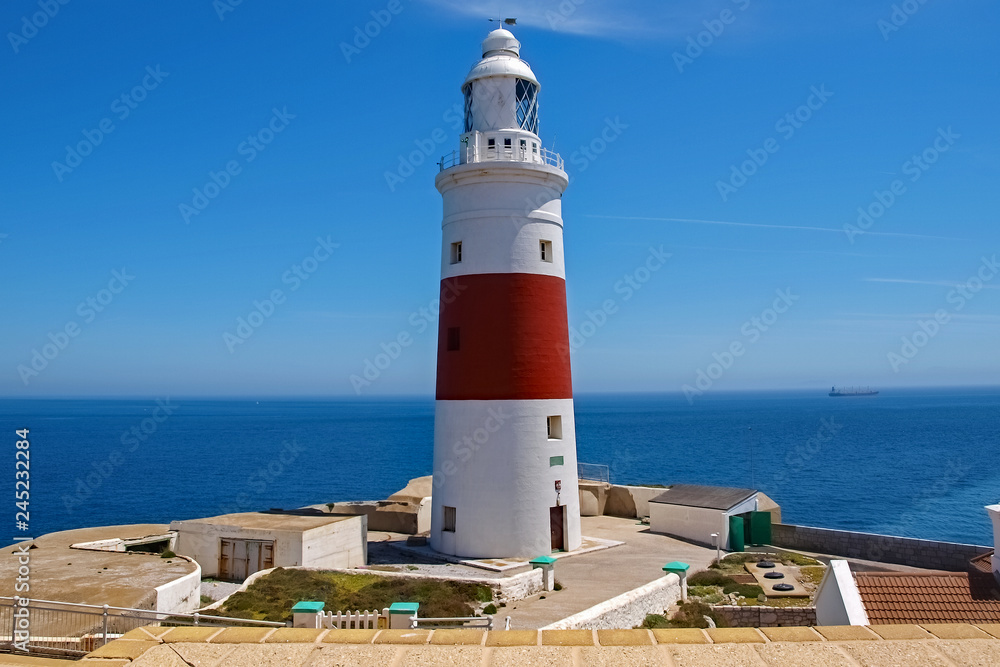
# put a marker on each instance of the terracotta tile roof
(938, 597)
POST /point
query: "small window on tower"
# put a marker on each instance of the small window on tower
(534, 148)
(546, 248)
(553, 426)
(491, 143)
(453, 339)
(456, 252)
(506, 142)
(449, 519)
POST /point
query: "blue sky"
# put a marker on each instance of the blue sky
(740, 137)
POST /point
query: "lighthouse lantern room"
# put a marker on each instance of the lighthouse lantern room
(505, 474)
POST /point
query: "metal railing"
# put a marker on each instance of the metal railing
(593, 472)
(68, 628)
(473, 154)
(484, 622)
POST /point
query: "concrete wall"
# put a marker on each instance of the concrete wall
(593, 497)
(690, 523)
(928, 554)
(340, 544)
(630, 501)
(766, 617)
(628, 609)
(181, 596)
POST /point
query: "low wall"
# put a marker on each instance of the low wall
(629, 501)
(183, 595)
(766, 617)
(928, 554)
(626, 610)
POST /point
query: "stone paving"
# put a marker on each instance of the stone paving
(950, 645)
(592, 578)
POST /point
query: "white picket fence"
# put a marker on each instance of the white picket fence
(357, 620)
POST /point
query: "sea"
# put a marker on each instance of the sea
(913, 462)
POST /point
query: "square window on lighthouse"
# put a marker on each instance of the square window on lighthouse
(553, 426)
(456, 252)
(546, 249)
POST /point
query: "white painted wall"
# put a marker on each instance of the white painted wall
(501, 483)
(994, 512)
(341, 544)
(696, 523)
(838, 601)
(180, 596)
(626, 610)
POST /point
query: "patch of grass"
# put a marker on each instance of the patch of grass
(557, 586)
(653, 621)
(490, 609)
(412, 567)
(271, 597)
(702, 591)
(740, 558)
(205, 600)
(785, 602)
(798, 559)
(484, 594)
(167, 553)
(709, 578)
(691, 614)
(812, 574)
(746, 590)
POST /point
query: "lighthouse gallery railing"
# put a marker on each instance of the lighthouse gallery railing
(473, 154)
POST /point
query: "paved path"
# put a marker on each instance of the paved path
(592, 578)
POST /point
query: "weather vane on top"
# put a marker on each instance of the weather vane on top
(506, 21)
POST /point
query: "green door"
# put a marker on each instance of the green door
(736, 542)
(760, 528)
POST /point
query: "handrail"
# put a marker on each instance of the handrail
(455, 622)
(473, 155)
(100, 610)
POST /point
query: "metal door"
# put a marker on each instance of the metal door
(556, 515)
(736, 542)
(760, 528)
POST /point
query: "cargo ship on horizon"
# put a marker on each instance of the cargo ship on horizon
(853, 391)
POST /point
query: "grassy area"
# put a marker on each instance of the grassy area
(271, 598)
(690, 614)
(812, 574)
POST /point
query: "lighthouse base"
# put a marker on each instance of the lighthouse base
(505, 478)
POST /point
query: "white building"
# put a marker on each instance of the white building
(505, 478)
(994, 512)
(234, 546)
(693, 512)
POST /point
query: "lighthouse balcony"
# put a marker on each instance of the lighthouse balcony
(515, 147)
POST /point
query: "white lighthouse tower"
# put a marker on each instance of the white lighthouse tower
(505, 478)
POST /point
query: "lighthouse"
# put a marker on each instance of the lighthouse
(505, 475)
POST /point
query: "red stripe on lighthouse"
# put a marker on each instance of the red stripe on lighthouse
(512, 338)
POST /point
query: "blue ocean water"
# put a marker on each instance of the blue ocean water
(920, 463)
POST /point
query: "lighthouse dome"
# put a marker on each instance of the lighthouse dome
(501, 41)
